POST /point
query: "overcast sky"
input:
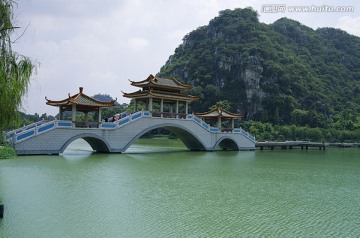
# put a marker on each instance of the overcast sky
(100, 44)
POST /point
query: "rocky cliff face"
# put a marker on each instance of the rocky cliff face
(212, 59)
(251, 78)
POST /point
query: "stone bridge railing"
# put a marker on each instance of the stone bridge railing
(33, 130)
(29, 131)
(218, 130)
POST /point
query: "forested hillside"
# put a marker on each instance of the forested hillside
(283, 73)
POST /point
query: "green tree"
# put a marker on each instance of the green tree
(277, 116)
(296, 75)
(224, 104)
(298, 117)
(15, 69)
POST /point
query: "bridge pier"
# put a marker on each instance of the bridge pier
(1, 210)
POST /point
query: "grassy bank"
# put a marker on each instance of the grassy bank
(7, 152)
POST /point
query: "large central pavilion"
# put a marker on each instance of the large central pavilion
(166, 93)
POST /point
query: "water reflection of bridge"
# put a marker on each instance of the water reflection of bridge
(115, 137)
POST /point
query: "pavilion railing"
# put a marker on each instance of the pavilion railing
(169, 115)
(86, 124)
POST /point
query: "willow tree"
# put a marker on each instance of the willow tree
(15, 69)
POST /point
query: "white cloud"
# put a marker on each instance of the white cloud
(350, 24)
(101, 44)
(138, 43)
(49, 47)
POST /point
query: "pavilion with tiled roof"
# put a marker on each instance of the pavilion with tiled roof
(165, 92)
(219, 114)
(80, 102)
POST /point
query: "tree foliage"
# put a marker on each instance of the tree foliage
(282, 73)
(268, 132)
(15, 69)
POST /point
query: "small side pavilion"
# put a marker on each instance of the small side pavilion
(220, 115)
(166, 93)
(80, 102)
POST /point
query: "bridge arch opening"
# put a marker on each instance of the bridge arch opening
(190, 141)
(227, 144)
(97, 143)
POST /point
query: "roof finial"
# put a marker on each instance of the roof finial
(81, 89)
(219, 107)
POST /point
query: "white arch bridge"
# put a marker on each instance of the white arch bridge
(115, 137)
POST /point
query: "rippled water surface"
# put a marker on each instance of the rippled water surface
(182, 194)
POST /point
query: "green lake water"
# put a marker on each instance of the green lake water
(148, 193)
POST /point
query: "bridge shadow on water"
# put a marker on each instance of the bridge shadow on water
(144, 145)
